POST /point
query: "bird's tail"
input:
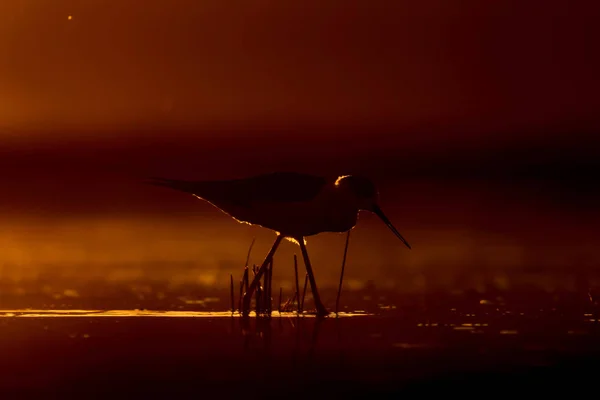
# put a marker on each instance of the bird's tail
(183, 186)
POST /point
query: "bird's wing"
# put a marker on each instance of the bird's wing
(277, 187)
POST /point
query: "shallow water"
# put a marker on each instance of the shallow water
(87, 353)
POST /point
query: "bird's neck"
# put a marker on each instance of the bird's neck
(341, 204)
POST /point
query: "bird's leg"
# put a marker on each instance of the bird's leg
(256, 280)
(321, 310)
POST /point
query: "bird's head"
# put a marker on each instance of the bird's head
(366, 197)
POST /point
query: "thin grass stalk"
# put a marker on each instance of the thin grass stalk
(304, 292)
(241, 295)
(231, 292)
(245, 283)
(266, 293)
(297, 285)
(257, 300)
(280, 296)
(337, 300)
(250, 251)
(288, 303)
(245, 279)
(269, 305)
(257, 296)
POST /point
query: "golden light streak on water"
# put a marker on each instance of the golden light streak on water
(145, 313)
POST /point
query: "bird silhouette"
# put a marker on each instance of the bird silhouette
(294, 205)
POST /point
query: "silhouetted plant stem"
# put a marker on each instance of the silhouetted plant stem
(271, 287)
(245, 278)
(241, 294)
(232, 296)
(337, 300)
(245, 282)
(249, 251)
(297, 285)
(268, 280)
(280, 296)
(304, 292)
(258, 299)
(288, 302)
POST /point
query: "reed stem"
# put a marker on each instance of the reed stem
(297, 285)
(337, 300)
(232, 296)
(304, 292)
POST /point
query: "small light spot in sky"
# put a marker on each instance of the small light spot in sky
(70, 17)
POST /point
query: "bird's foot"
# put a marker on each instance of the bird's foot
(322, 312)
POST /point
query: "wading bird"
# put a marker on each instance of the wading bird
(293, 205)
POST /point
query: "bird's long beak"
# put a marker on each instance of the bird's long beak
(380, 214)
